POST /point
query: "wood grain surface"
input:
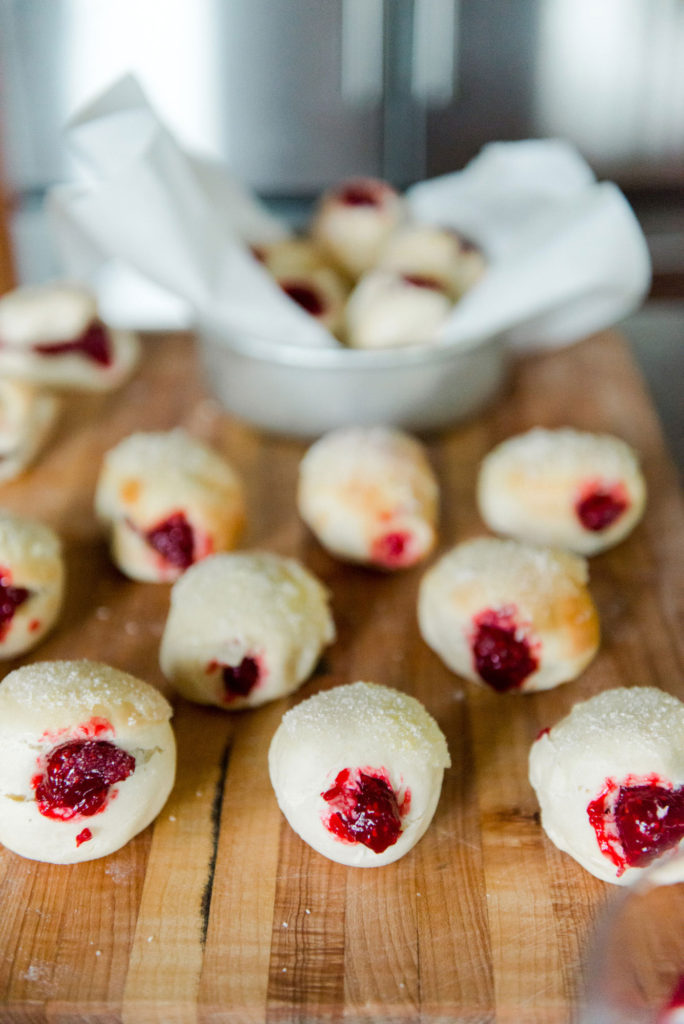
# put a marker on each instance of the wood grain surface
(218, 911)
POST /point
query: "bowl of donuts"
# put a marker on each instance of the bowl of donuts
(381, 286)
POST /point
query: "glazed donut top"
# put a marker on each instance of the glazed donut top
(55, 695)
(164, 464)
(41, 314)
(569, 452)
(488, 569)
(398, 723)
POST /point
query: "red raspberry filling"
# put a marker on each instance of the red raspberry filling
(392, 550)
(502, 655)
(362, 193)
(238, 680)
(94, 344)
(174, 540)
(364, 810)
(419, 281)
(601, 505)
(305, 296)
(78, 776)
(11, 598)
(637, 821)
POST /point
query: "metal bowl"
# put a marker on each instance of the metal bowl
(304, 392)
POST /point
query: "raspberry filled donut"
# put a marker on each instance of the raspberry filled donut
(27, 415)
(388, 309)
(609, 778)
(87, 759)
(167, 500)
(320, 292)
(512, 616)
(31, 583)
(52, 335)
(244, 628)
(562, 487)
(353, 220)
(370, 495)
(357, 772)
(433, 253)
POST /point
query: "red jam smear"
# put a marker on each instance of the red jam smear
(502, 655)
(174, 540)
(361, 192)
(83, 837)
(11, 598)
(392, 550)
(419, 281)
(78, 776)
(600, 505)
(305, 296)
(94, 344)
(364, 810)
(638, 820)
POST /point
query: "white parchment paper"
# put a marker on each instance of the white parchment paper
(566, 254)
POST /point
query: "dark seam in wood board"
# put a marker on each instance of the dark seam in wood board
(216, 806)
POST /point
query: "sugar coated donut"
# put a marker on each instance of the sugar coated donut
(370, 495)
(609, 778)
(513, 616)
(562, 487)
(434, 253)
(352, 221)
(51, 335)
(357, 772)
(31, 583)
(244, 628)
(388, 309)
(27, 415)
(87, 759)
(168, 500)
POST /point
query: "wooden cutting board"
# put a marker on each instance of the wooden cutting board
(219, 912)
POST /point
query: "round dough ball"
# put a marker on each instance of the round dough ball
(320, 292)
(51, 335)
(290, 257)
(434, 253)
(87, 759)
(27, 415)
(609, 778)
(352, 221)
(168, 500)
(357, 772)
(370, 495)
(512, 616)
(562, 487)
(244, 629)
(31, 583)
(391, 310)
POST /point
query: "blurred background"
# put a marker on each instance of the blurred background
(297, 94)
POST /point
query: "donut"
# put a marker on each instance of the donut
(433, 253)
(369, 495)
(27, 415)
(87, 759)
(320, 292)
(609, 778)
(290, 257)
(167, 500)
(52, 335)
(357, 771)
(352, 221)
(513, 616)
(388, 309)
(563, 487)
(31, 583)
(244, 628)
